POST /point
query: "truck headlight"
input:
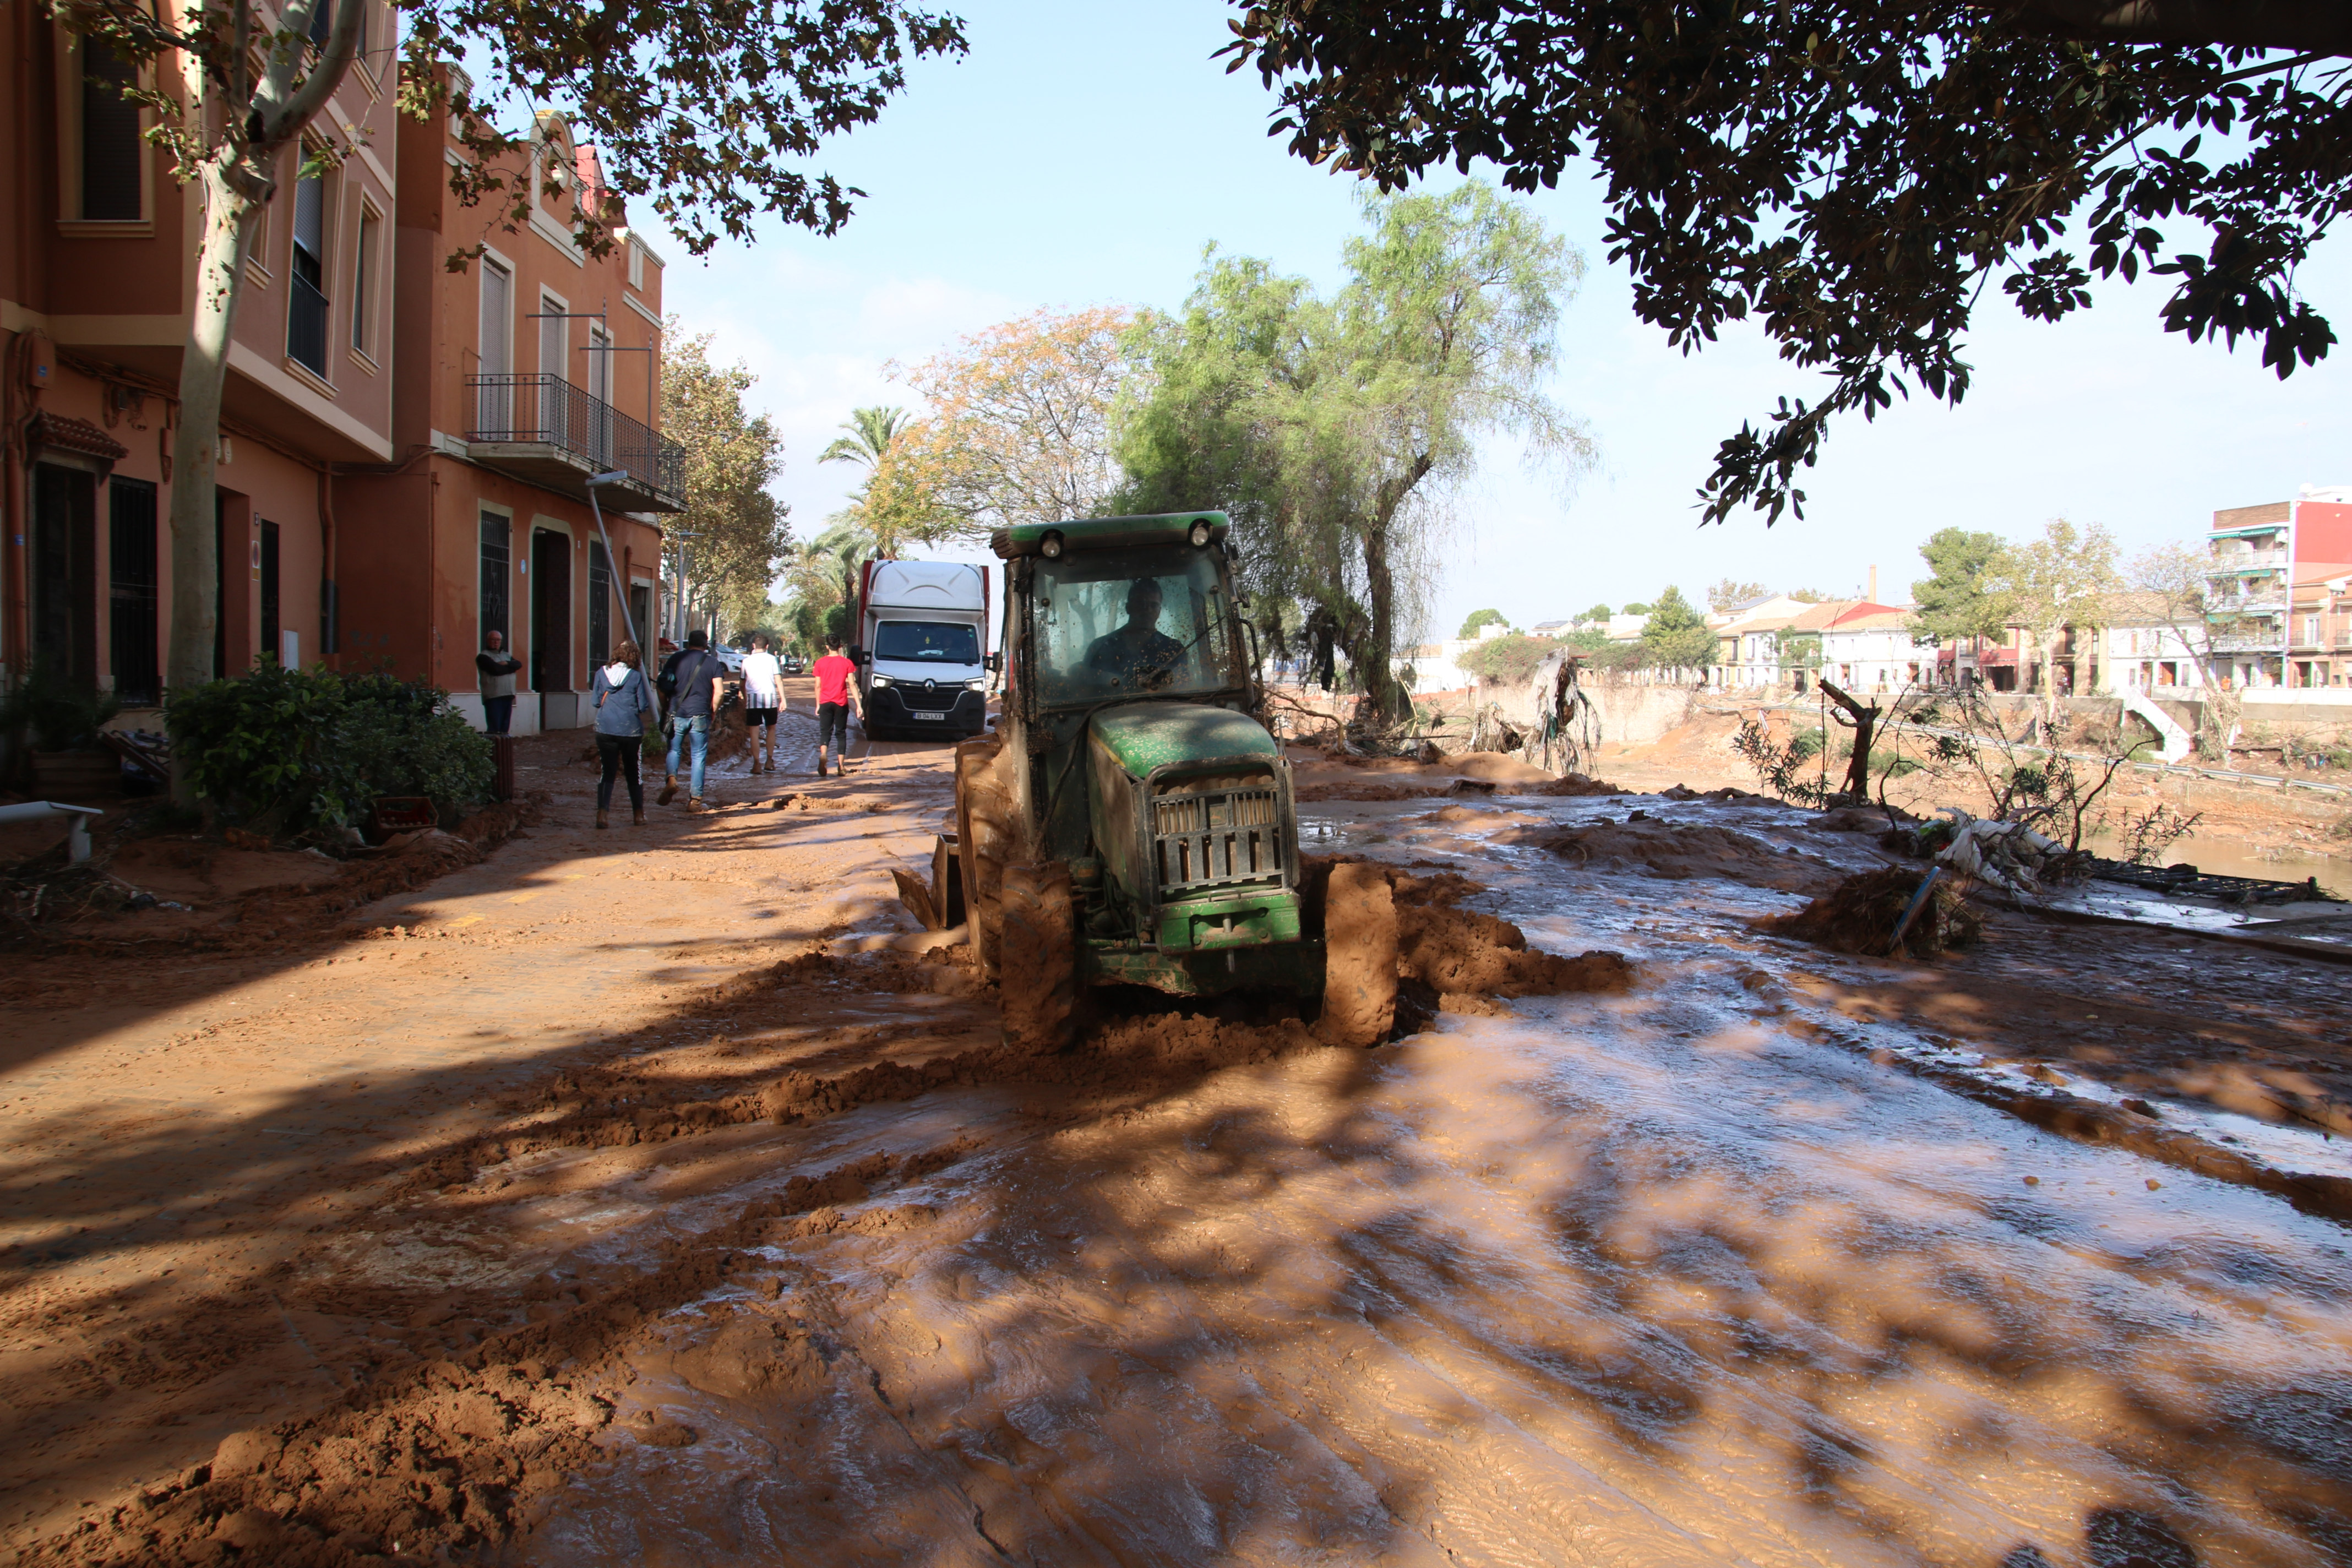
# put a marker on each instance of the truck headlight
(883, 681)
(975, 686)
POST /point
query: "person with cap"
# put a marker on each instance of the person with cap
(691, 681)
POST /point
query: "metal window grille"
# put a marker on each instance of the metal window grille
(1200, 840)
(132, 596)
(495, 560)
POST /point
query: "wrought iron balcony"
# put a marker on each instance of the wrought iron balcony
(2246, 641)
(544, 429)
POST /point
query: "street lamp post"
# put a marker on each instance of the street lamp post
(628, 621)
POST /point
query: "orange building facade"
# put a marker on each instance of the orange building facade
(405, 449)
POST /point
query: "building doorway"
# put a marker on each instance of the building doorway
(551, 611)
(64, 576)
(271, 646)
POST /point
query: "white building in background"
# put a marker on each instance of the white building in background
(2137, 650)
(1870, 648)
(1433, 663)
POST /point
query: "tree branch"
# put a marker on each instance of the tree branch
(2323, 26)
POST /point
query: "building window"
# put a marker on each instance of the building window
(306, 306)
(110, 145)
(132, 598)
(366, 266)
(637, 265)
(497, 552)
(600, 603)
(272, 620)
(494, 396)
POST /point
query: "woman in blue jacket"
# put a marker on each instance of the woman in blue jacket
(624, 708)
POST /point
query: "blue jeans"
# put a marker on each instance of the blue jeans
(498, 713)
(699, 726)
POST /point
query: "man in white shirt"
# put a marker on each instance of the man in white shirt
(763, 694)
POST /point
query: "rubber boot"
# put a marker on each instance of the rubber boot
(601, 818)
(668, 790)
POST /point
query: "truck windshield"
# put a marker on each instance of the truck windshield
(927, 642)
(1112, 622)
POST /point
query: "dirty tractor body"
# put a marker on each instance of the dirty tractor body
(1131, 822)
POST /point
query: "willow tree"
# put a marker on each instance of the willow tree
(1337, 430)
(706, 111)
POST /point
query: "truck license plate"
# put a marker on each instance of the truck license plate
(931, 715)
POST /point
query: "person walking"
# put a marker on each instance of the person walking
(691, 682)
(763, 694)
(833, 673)
(624, 705)
(495, 668)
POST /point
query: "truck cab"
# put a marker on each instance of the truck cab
(920, 653)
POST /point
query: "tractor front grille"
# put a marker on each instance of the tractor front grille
(1226, 836)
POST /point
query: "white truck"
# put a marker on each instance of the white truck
(922, 632)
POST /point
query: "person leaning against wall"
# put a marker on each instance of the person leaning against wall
(624, 710)
(496, 670)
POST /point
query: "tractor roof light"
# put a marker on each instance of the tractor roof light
(1200, 534)
(1050, 547)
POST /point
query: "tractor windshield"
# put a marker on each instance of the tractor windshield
(1111, 622)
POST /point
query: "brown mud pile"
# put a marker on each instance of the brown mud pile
(1860, 914)
(1677, 850)
(1464, 957)
(261, 898)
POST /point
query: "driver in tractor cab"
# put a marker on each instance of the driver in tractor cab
(1130, 656)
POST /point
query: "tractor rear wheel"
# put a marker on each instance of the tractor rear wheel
(1038, 971)
(1359, 944)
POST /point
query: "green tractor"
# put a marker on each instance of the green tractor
(1131, 822)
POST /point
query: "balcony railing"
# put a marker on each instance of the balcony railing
(2248, 559)
(306, 326)
(2246, 642)
(549, 411)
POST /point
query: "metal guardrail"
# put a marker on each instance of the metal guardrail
(550, 410)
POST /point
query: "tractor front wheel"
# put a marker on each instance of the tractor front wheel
(1360, 944)
(1038, 970)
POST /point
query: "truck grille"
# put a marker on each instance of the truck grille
(1232, 836)
(938, 699)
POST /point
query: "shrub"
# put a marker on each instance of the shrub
(298, 751)
(1507, 660)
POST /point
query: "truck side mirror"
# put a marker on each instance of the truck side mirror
(993, 662)
(859, 656)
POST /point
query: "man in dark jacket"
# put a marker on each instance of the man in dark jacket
(690, 679)
(495, 668)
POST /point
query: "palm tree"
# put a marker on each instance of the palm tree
(870, 431)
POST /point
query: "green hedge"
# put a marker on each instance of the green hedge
(297, 750)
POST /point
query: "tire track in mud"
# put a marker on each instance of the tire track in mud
(456, 1440)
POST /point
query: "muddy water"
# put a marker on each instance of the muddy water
(2219, 856)
(1677, 1278)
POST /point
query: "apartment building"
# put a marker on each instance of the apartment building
(96, 277)
(521, 378)
(404, 449)
(2279, 599)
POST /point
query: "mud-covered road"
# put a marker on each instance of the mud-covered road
(660, 1199)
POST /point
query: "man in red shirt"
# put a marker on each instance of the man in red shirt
(833, 673)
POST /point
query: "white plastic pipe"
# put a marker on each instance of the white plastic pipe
(77, 839)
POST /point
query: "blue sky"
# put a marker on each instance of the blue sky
(1085, 154)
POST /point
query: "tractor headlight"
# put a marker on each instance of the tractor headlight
(1050, 547)
(1200, 534)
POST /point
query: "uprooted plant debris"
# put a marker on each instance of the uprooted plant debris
(1861, 913)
